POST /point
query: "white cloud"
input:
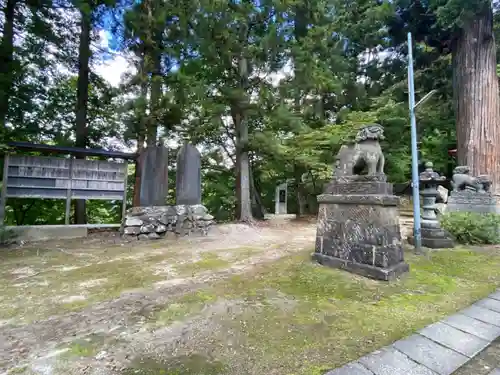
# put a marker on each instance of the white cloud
(112, 69)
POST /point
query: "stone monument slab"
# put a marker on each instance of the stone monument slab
(154, 176)
(358, 220)
(188, 178)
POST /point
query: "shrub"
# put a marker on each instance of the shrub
(472, 228)
(7, 236)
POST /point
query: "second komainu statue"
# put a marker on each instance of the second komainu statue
(358, 220)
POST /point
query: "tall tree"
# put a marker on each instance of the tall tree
(464, 29)
(82, 95)
(476, 93)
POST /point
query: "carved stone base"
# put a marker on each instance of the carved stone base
(471, 201)
(377, 273)
(360, 233)
(433, 238)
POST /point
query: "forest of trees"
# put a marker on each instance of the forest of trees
(266, 89)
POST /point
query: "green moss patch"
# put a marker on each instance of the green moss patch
(183, 365)
(303, 318)
(209, 261)
(186, 306)
(51, 289)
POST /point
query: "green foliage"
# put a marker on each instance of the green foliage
(300, 77)
(472, 228)
(7, 236)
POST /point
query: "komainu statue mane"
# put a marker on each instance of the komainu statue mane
(365, 153)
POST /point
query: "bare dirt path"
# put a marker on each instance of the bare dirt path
(102, 291)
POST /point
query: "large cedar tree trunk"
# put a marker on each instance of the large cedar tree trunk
(82, 96)
(140, 133)
(6, 61)
(477, 99)
(155, 98)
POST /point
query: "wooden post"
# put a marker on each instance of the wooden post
(124, 202)
(68, 193)
(3, 198)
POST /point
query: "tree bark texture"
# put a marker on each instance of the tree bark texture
(156, 88)
(245, 200)
(299, 192)
(477, 98)
(140, 133)
(6, 61)
(82, 96)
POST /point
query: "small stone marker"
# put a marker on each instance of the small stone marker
(188, 179)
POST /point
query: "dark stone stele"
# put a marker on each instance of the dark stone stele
(188, 178)
(358, 221)
(154, 176)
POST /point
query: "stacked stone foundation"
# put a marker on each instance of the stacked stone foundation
(155, 222)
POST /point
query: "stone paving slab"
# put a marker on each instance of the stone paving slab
(473, 326)
(483, 314)
(389, 361)
(495, 295)
(350, 369)
(461, 342)
(489, 303)
(430, 354)
(438, 349)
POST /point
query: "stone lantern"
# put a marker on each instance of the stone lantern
(433, 236)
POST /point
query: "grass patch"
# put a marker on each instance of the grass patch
(209, 261)
(17, 370)
(303, 318)
(186, 306)
(48, 289)
(193, 364)
(82, 349)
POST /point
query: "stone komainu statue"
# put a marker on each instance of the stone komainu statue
(461, 180)
(364, 153)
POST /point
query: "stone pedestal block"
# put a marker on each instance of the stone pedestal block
(472, 201)
(360, 233)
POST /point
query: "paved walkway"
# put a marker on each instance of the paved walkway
(439, 349)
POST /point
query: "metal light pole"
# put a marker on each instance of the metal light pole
(414, 151)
